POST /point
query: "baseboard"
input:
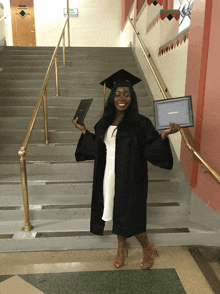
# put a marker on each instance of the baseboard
(202, 213)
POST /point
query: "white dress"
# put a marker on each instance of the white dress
(109, 176)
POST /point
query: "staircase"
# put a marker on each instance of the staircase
(59, 188)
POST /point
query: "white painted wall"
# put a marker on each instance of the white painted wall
(8, 29)
(2, 25)
(127, 36)
(98, 23)
(171, 66)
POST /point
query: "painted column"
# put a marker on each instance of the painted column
(168, 4)
(165, 3)
(202, 82)
(126, 7)
(140, 4)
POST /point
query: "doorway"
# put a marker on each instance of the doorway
(23, 24)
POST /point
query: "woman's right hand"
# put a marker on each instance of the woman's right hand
(82, 128)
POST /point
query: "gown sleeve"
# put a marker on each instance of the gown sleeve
(156, 150)
(86, 147)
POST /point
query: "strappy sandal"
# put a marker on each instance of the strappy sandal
(154, 250)
(148, 259)
(122, 252)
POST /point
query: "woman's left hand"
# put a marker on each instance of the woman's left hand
(174, 128)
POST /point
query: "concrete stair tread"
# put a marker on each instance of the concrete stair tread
(80, 92)
(72, 48)
(74, 198)
(35, 179)
(10, 227)
(37, 190)
(76, 63)
(35, 159)
(75, 58)
(60, 121)
(58, 110)
(68, 101)
(70, 164)
(43, 68)
(22, 241)
(82, 169)
(74, 76)
(8, 151)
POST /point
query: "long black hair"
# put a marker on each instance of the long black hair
(109, 114)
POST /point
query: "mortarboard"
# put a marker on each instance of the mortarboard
(121, 76)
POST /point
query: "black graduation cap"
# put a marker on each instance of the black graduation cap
(120, 77)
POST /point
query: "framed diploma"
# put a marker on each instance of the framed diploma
(178, 110)
(82, 110)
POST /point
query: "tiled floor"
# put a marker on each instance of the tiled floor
(178, 258)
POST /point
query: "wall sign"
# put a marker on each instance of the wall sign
(74, 12)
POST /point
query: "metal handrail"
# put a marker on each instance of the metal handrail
(206, 167)
(42, 96)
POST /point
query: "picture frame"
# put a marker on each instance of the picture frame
(178, 110)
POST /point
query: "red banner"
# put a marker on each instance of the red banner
(176, 15)
(181, 39)
(164, 15)
(160, 2)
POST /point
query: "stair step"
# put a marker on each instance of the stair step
(60, 111)
(77, 63)
(96, 77)
(67, 69)
(63, 101)
(84, 213)
(65, 200)
(41, 191)
(43, 179)
(70, 84)
(38, 150)
(90, 50)
(77, 91)
(84, 170)
(9, 128)
(83, 239)
(59, 127)
(74, 57)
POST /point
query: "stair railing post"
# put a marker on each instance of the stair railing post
(64, 53)
(28, 227)
(68, 24)
(56, 73)
(45, 116)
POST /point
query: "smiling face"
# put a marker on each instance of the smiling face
(122, 98)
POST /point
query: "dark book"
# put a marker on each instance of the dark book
(82, 110)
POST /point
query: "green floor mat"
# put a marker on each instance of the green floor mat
(156, 281)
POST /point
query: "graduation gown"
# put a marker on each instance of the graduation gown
(137, 142)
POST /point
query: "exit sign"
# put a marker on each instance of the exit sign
(73, 12)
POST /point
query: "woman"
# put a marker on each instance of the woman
(122, 144)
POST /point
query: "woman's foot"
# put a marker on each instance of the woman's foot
(148, 257)
(122, 251)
